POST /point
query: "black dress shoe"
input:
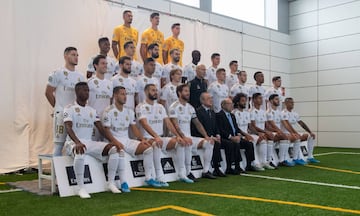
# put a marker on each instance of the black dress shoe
(229, 171)
(217, 172)
(208, 175)
(192, 177)
(242, 171)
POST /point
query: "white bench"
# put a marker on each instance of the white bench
(42, 175)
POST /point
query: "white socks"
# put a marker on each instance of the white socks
(157, 163)
(262, 149)
(310, 144)
(297, 150)
(270, 150)
(207, 155)
(148, 162)
(112, 166)
(180, 156)
(79, 169)
(283, 149)
(58, 147)
(121, 166)
(188, 157)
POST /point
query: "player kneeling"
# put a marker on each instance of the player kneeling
(79, 121)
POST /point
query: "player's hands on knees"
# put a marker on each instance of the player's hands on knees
(158, 142)
(249, 138)
(80, 148)
(210, 140)
(262, 137)
(188, 141)
(296, 136)
(145, 142)
(236, 139)
(269, 135)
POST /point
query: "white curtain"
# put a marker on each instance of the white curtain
(34, 35)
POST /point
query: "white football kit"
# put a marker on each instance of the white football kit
(231, 79)
(189, 71)
(112, 67)
(64, 81)
(258, 89)
(211, 74)
(141, 82)
(219, 92)
(166, 70)
(130, 85)
(137, 69)
(271, 91)
(168, 94)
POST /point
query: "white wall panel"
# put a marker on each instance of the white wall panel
(256, 31)
(339, 60)
(302, 6)
(256, 44)
(304, 35)
(256, 60)
(183, 10)
(343, 140)
(339, 76)
(280, 64)
(304, 94)
(339, 44)
(346, 123)
(225, 22)
(279, 37)
(333, 108)
(340, 12)
(303, 20)
(303, 50)
(346, 27)
(303, 79)
(308, 109)
(330, 3)
(160, 5)
(339, 92)
(279, 50)
(304, 64)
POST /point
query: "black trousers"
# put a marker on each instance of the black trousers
(249, 151)
(232, 153)
(216, 157)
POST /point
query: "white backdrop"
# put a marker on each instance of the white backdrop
(34, 36)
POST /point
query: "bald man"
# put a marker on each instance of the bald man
(198, 85)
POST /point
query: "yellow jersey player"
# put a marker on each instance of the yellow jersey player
(173, 42)
(152, 35)
(122, 34)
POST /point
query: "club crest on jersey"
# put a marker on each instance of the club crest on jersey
(256, 111)
(116, 114)
(160, 112)
(171, 88)
(50, 79)
(66, 73)
(180, 109)
(127, 118)
(96, 82)
(147, 108)
(145, 80)
(218, 86)
(120, 80)
(108, 87)
(172, 112)
(212, 69)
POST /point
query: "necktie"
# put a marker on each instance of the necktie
(231, 123)
(208, 112)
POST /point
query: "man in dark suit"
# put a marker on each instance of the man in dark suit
(197, 86)
(231, 138)
(207, 117)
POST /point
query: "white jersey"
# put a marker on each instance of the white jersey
(158, 71)
(219, 92)
(183, 114)
(274, 115)
(271, 91)
(154, 115)
(141, 82)
(130, 85)
(231, 79)
(189, 71)
(292, 117)
(64, 81)
(112, 67)
(118, 121)
(101, 92)
(211, 74)
(137, 69)
(82, 118)
(259, 116)
(258, 89)
(239, 88)
(242, 119)
(166, 70)
(168, 94)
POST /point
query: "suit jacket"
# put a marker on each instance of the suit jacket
(209, 123)
(224, 125)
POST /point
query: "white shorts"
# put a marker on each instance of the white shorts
(93, 148)
(165, 140)
(59, 130)
(130, 145)
(195, 144)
